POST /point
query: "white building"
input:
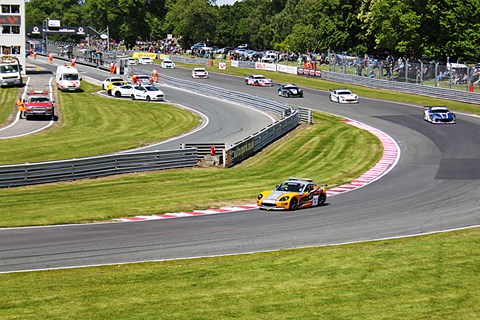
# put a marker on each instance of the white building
(12, 30)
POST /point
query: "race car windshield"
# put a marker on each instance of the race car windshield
(344, 92)
(290, 187)
(440, 110)
(39, 99)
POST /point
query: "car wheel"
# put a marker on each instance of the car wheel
(255, 83)
(148, 98)
(246, 82)
(288, 95)
(118, 94)
(331, 99)
(321, 199)
(293, 204)
(280, 93)
(133, 97)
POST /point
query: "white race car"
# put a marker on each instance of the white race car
(258, 80)
(167, 64)
(147, 92)
(343, 96)
(199, 73)
(439, 114)
(145, 60)
(122, 91)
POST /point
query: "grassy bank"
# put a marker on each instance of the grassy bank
(328, 151)
(93, 125)
(8, 96)
(429, 277)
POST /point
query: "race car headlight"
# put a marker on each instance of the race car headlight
(284, 198)
(260, 196)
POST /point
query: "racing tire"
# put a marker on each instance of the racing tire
(133, 97)
(321, 199)
(118, 94)
(148, 98)
(288, 95)
(293, 204)
(246, 82)
(255, 83)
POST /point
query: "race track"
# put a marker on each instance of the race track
(435, 186)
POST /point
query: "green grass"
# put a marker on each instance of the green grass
(8, 97)
(312, 151)
(92, 125)
(428, 277)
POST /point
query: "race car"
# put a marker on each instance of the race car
(199, 73)
(167, 64)
(38, 103)
(258, 80)
(295, 193)
(290, 90)
(147, 92)
(343, 96)
(439, 114)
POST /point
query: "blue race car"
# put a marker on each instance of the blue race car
(439, 114)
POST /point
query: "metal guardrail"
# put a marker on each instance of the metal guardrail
(413, 88)
(257, 141)
(93, 167)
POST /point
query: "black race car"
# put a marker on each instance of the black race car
(290, 90)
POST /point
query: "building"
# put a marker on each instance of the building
(12, 30)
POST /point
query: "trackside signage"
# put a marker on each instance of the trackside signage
(286, 69)
(241, 151)
(266, 66)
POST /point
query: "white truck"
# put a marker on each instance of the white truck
(10, 71)
(68, 78)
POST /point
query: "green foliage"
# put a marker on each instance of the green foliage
(428, 29)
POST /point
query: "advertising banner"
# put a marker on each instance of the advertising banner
(222, 66)
(286, 69)
(234, 63)
(138, 54)
(265, 66)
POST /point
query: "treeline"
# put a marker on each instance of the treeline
(419, 29)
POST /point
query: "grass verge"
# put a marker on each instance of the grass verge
(428, 277)
(328, 151)
(93, 125)
(8, 98)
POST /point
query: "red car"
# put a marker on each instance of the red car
(38, 103)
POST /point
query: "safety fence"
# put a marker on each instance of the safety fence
(93, 167)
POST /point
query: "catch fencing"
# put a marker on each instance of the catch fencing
(93, 167)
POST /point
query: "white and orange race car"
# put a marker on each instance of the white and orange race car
(258, 80)
(295, 193)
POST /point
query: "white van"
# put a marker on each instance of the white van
(68, 78)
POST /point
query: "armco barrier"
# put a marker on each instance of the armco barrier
(92, 167)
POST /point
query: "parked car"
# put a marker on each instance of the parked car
(290, 90)
(143, 79)
(295, 193)
(439, 114)
(147, 92)
(258, 80)
(343, 96)
(107, 81)
(122, 91)
(114, 84)
(145, 60)
(167, 64)
(132, 62)
(199, 73)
